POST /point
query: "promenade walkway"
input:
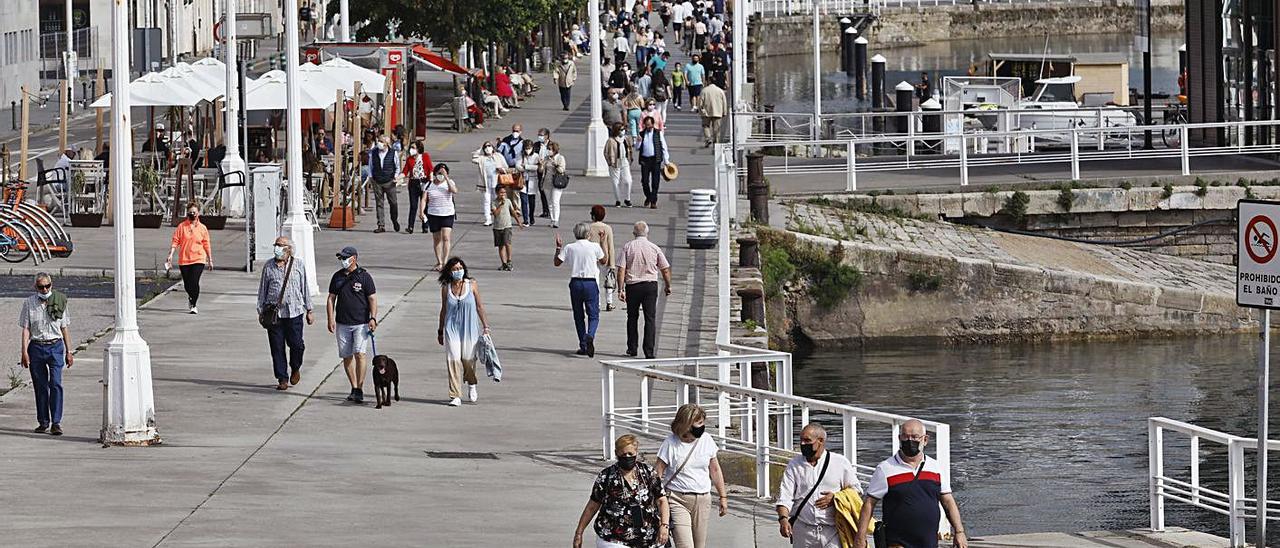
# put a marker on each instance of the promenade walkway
(245, 465)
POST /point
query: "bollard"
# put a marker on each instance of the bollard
(13, 114)
(752, 304)
(749, 251)
(757, 188)
(845, 25)
(877, 81)
(931, 122)
(860, 67)
(902, 103)
(768, 121)
(848, 43)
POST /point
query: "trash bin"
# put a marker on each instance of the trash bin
(702, 230)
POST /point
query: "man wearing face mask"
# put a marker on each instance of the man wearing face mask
(566, 73)
(512, 146)
(806, 509)
(44, 321)
(284, 283)
(383, 168)
(352, 310)
(611, 111)
(912, 486)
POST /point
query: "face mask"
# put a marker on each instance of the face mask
(697, 431)
(911, 448)
(279, 251)
(542, 138)
(808, 451)
(346, 263)
(45, 296)
(440, 177)
(488, 150)
(191, 216)
(515, 134)
(413, 152)
(627, 462)
(457, 274)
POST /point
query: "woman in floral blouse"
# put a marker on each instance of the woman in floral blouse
(629, 499)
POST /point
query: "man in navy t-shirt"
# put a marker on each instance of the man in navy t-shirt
(912, 485)
(353, 316)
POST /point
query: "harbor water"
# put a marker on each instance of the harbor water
(1053, 436)
(787, 81)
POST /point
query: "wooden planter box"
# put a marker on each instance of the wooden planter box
(147, 220)
(86, 220)
(214, 222)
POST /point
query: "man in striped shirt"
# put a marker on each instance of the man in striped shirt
(912, 486)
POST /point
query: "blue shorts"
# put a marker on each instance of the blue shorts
(695, 91)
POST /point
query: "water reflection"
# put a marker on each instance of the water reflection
(1053, 437)
(787, 81)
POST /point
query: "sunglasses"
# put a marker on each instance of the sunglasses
(43, 287)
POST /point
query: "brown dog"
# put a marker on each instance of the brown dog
(386, 377)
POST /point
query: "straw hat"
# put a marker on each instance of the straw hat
(670, 171)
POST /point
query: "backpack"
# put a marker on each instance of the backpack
(660, 93)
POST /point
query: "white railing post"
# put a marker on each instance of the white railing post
(964, 161)
(1184, 148)
(606, 401)
(1155, 471)
(850, 437)
(1101, 134)
(941, 446)
(644, 403)
(1195, 469)
(762, 448)
(1075, 154)
(851, 173)
(722, 400)
(682, 394)
(1235, 492)
(897, 429)
(911, 135)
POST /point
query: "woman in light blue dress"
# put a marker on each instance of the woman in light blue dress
(462, 322)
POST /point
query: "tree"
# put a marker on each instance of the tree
(451, 23)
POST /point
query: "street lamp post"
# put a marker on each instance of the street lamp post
(128, 409)
(232, 162)
(70, 62)
(296, 224)
(597, 134)
(344, 21)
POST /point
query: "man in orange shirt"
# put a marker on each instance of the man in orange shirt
(191, 241)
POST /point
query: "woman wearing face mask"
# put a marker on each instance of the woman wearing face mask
(689, 468)
(544, 181)
(661, 92)
(627, 502)
(553, 165)
(635, 108)
(530, 164)
(491, 163)
(438, 198)
(651, 109)
(191, 241)
(462, 322)
(417, 169)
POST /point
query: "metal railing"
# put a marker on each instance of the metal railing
(963, 152)
(1190, 489)
(802, 7)
(759, 423)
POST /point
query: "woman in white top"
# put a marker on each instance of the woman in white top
(530, 163)
(689, 468)
(491, 164)
(438, 195)
(552, 166)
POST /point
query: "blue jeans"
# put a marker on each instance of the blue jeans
(585, 296)
(47, 361)
(288, 331)
(528, 203)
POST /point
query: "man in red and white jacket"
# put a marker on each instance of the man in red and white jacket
(912, 486)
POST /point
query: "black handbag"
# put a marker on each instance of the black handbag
(270, 315)
(560, 180)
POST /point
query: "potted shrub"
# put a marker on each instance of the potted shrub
(147, 179)
(216, 221)
(87, 219)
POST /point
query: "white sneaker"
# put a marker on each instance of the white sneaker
(194, 310)
(455, 402)
(488, 223)
(472, 396)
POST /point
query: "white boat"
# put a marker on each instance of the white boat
(1056, 98)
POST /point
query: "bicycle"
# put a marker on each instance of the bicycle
(1172, 137)
(27, 230)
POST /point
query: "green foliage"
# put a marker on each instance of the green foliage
(450, 24)
(1015, 205)
(1126, 185)
(1066, 198)
(785, 259)
(1168, 191)
(921, 281)
(1202, 188)
(750, 325)
(873, 208)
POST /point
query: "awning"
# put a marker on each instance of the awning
(436, 61)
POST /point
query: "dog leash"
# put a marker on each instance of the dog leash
(373, 341)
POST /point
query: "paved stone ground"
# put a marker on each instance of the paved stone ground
(980, 243)
(243, 464)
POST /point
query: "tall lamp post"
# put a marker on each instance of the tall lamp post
(344, 21)
(597, 134)
(70, 62)
(232, 162)
(296, 224)
(128, 408)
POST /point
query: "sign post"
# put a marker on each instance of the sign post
(1258, 286)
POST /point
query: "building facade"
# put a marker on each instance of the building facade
(1231, 62)
(19, 55)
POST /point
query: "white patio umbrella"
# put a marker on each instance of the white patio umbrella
(269, 93)
(154, 90)
(348, 72)
(202, 84)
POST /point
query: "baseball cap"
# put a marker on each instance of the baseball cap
(348, 251)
